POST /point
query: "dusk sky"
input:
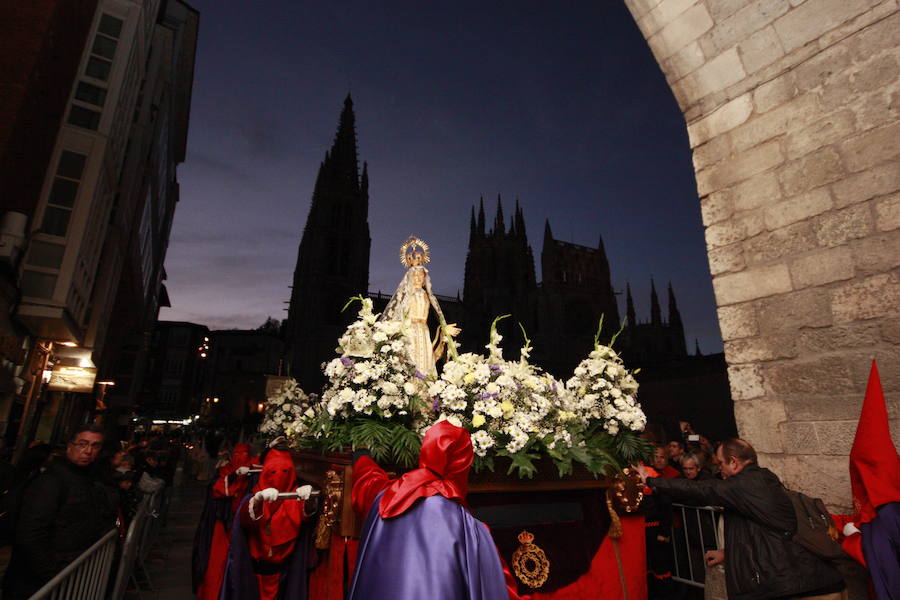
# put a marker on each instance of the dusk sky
(559, 105)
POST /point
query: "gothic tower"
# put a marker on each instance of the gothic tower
(333, 258)
(499, 278)
(576, 289)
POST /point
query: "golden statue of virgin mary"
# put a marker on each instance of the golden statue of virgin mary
(411, 301)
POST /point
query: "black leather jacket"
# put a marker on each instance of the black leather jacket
(760, 559)
(64, 511)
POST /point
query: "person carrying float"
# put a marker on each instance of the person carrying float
(267, 559)
(214, 531)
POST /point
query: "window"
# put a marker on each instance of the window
(63, 192)
(84, 117)
(44, 254)
(38, 285)
(90, 93)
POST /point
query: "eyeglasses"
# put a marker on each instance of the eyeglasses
(84, 445)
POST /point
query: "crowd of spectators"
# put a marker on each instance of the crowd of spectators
(56, 502)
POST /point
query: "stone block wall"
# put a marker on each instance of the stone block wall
(791, 108)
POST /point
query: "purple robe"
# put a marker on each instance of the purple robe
(436, 549)
(240, 582)
(881, 547)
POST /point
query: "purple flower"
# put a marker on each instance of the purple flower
(486, 396)
(436, 405)
(419, 375)
(495, 368)
(347, 362)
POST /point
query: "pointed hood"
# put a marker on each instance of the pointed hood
(874, 464)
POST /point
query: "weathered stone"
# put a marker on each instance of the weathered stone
(790, 312)
(680, 32)
(888, 370)
(875, 74)
(786, 241)
(739, 321)
(716, 74)
(760, 49)
(881, 36)
(822, 68)
(826, 406)
(836, 437)
(822, 132)
(716, 207)
(876, 181)
(839, 338)
(746, 382)
(760, 349)
(871, 148)
(798, 208)
(840, 226)
(753, 222)
(664, 12)
(813, 170)
(774, 93)
(790, 116)
(685, 61)
(739, 167)
(753, 283)
(879, 10)
(889, 330)
(875, 296)
(739, 26)
(824, 477)
(821, 267)
(813, 18)
(875, 110)
(724, 233)
(759, 421)
(820, 375)
(887, 213)
(724, 119)
(759, 190)
(640, 8)
(711, 152)
(725, 259)
(799, 438)
(722, 9)
(877, 253)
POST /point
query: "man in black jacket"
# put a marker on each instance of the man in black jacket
(64, 511)
(761, 560)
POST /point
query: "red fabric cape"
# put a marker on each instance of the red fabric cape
(444, 463)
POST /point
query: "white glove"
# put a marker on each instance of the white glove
(267, 495)
(280, 439)
(242, 470)
(850, 529)
(303, 492)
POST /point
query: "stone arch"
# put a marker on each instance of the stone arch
(791, 110)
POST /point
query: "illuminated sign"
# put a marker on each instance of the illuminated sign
(72, 379)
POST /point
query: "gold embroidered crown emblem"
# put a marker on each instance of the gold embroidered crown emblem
(414, 253)
(529, 562)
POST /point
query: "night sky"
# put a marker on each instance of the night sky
(559, 105)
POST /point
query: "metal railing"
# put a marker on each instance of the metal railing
(86, 577)
(698, 533)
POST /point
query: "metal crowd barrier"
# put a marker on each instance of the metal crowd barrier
(142, 535)
(698, 533)
(86, 577)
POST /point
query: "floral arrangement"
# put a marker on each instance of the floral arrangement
(287, 412)
(515, 410)
(375, 396)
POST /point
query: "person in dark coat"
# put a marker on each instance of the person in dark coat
(65, 510)
(761, 561)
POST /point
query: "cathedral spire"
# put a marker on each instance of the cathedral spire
(499, 224)
(473, 229)
(520, 223)
(655, 312)
(481, 216)
(674, 315)
(548, 235)
(697, 348)
(629, 307)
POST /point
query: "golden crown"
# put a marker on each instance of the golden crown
(414, 253)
